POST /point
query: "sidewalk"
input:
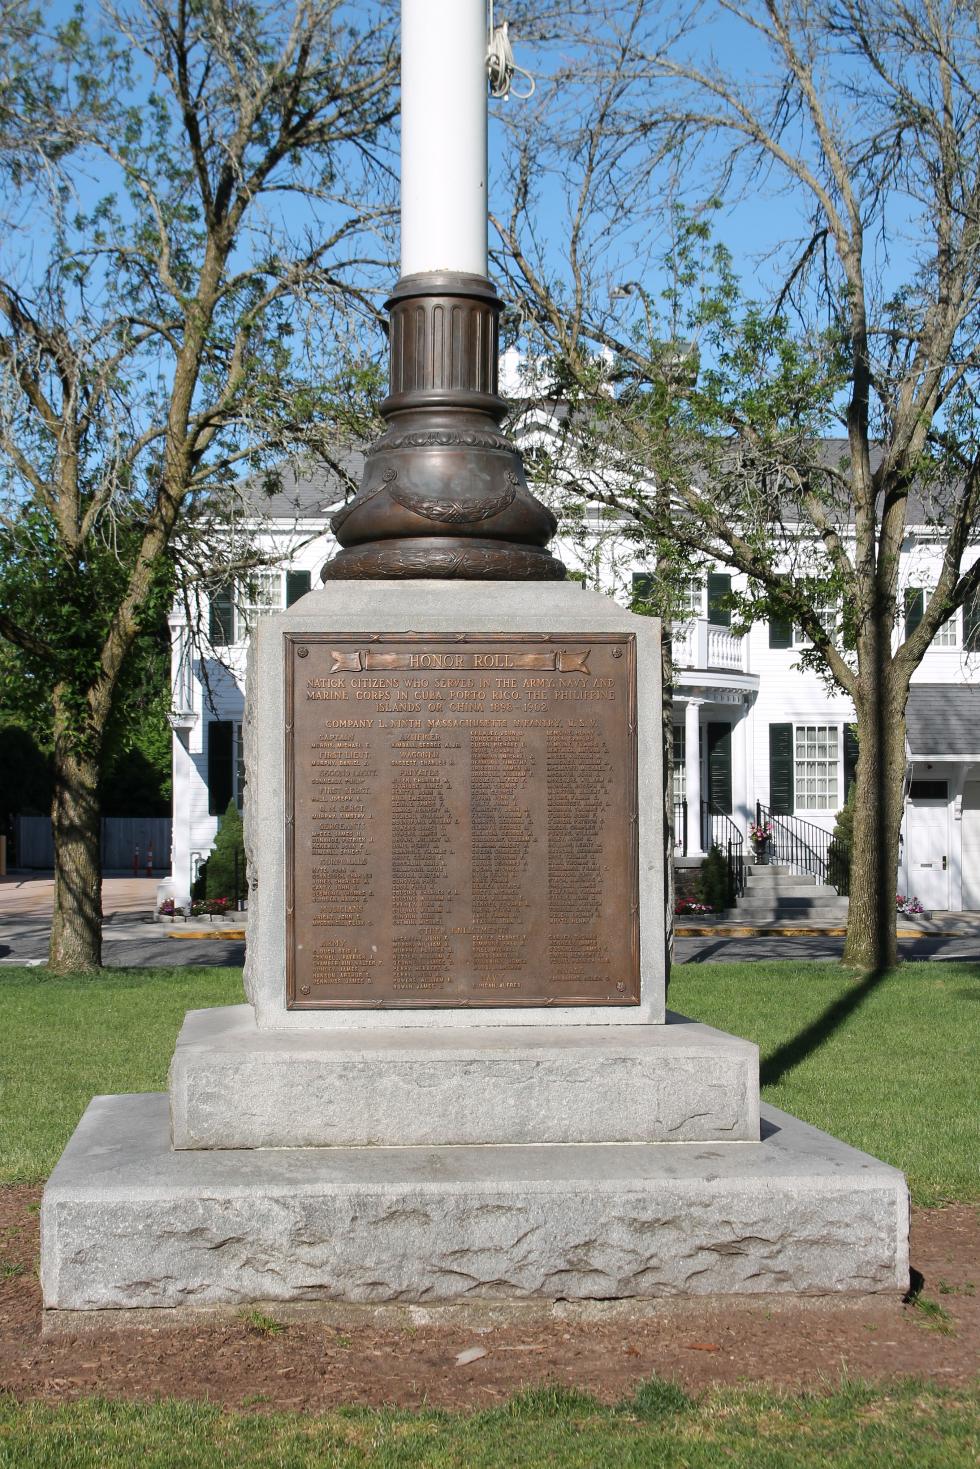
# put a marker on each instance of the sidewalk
(129, 904)
(30, 895)
(726, 925)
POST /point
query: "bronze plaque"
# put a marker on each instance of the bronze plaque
(461, 820)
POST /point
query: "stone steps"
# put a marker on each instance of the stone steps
(764, 909)
(759, 888)
(775, 895)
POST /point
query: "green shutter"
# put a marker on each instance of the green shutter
(220, 769)
(719, 592)
(780, 632)
(781, 768)
(221, 618)
(915, 605)
(971, 625)
(297, 585)
(643, 585)
(850, 757)
(720, 767)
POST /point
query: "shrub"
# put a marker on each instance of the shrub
(219, 881)
(715, 882)
(839, 851)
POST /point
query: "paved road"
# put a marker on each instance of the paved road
(25, 941)
(132, 939)
(752, 950)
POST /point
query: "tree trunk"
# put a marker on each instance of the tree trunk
(871, 942)
(76, 928)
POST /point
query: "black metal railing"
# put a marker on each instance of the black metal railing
(680, 828)
(719, 830)
(803, 847)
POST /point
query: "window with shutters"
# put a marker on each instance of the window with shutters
(236, 607)
(948, 632)
(259, 595)
(827, 608)
(816, 767)
(917, 600)
(680, 764)
(641, 592)
(719, 599)
(690, 600)
(221, 765)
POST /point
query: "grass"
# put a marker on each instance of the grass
(259, 1324)
(64, 1040)
(887, 1065)
(906, 1427)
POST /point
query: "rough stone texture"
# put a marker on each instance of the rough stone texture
(127, 1222)
(436, 606)
(235, 1086)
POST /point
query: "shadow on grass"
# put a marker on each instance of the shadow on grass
(792, 1052)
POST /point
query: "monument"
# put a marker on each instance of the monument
(454, 1079)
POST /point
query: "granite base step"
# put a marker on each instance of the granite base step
(233, 1085)
(128, 1223)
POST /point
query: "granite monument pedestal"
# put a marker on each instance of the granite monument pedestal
(404, 1111)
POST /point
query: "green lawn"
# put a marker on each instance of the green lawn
(906, 1427)
(62, 1041)
(890, 1068)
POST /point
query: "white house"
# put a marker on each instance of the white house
(750, 726)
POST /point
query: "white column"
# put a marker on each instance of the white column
(740, 771)
(692, 775)
(444, 136)
(180, 847)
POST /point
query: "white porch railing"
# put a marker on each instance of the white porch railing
(182, 715)
(702, 644)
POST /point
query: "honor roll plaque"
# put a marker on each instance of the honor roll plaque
(461, 820)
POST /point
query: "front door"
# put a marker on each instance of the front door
(927, 843)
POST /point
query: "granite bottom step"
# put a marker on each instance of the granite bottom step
(126, 1222)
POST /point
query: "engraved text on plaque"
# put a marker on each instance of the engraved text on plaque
(461, 821)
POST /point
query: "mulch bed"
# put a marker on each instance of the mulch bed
(314, 1365)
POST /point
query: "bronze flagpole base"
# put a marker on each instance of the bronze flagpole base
(443, 492)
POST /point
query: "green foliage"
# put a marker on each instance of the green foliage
(228, 849)
(715, 883)
(165, 334)
(841, 845)
(844, 825)
(25, 774)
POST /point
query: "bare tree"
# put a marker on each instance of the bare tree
(179, 306)
(865, 117)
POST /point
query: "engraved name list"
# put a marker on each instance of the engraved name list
(461, 823)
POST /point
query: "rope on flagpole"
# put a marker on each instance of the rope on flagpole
(501, 66)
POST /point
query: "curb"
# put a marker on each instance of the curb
(206, 933)
(741, 931)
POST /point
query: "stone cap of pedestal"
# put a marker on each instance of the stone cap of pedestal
(235, 1086)
(560, 608)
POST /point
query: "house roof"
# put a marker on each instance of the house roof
(307, 490)
(943, 720)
